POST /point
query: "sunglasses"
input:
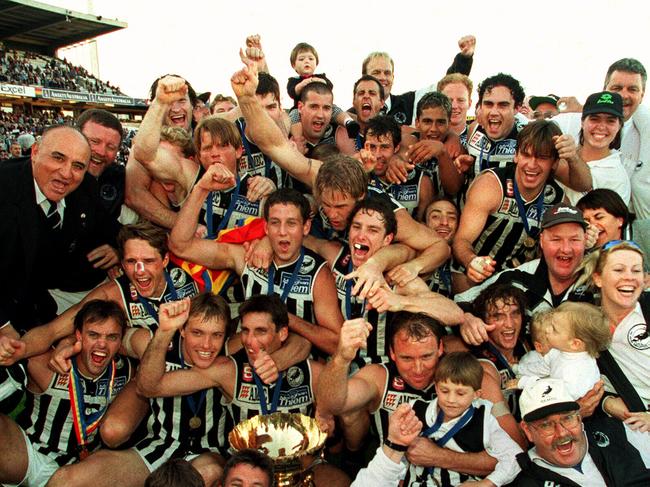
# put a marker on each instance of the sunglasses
(612, 243)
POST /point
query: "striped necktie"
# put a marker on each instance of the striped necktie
(53, 216)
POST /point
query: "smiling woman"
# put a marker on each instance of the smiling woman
(618, 273)
(600, 136)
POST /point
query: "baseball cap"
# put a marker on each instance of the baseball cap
(536, 101)
(562, 213)
(603, 102)
(545, 397)
(204, 97)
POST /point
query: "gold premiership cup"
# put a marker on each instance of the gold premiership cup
(292, 440)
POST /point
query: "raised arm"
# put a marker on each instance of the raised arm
(265, 133)
(161, 163)
(152, 380)
(571, 171)
(183, 241)
(336, 393)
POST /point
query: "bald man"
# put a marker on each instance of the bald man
(50, 220)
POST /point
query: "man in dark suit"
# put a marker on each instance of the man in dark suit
(50, 219)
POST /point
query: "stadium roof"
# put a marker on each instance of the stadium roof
(43, 28)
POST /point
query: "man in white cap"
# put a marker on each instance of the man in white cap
(569, 452)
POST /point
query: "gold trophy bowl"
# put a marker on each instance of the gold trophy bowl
(292, 440)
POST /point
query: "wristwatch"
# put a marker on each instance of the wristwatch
(395, 446)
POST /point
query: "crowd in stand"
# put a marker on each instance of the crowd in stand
(454, 301)
(31, 69)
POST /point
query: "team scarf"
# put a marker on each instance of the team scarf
(217, 280)
(84, 425)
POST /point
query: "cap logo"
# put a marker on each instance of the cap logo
(547, 391)
(605, 98)
(564, 209)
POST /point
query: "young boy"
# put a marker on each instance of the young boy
(576, 333)
(304, 60)
(458, 420)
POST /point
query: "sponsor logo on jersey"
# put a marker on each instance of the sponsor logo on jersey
(298, 396)
(550, 195)
(62, 382)
(242, 205)
(510, 188)
(506, 147)
(394, 399)
(480, 141)
(189, 290)
(405, 192)
(133, 291)
(247, 373)
(137, 310)
(302, 284)
(398, 383)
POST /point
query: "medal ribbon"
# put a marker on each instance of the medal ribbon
(149, 307)
(539, 204)
(190, 400)
(226, 217)
(248, 150)
(348, 297)
(260, 393)
(442, 441)
(85, 425)
(289, 285)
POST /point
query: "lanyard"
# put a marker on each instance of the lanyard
(358, 143)
(149, 307)
(500, 358)
(286, 289)
(441, 442)
(226, 217)
(444, 272)
(247, 148)
(276, 394)
(84, 424)
(522, 210)
(348, 297)
(190, 400)
(487, 161)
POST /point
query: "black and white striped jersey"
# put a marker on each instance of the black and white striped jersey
(137, 313)
(47, 417)
(169, 430)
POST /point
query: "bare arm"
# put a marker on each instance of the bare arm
(426, 197)
(420, 237)
(183, 241)
(138, 196)
(426, 453)
(335, 392)
(571, 171)
(483, 199)
(294, 349)
(265, 133)
(327, 312)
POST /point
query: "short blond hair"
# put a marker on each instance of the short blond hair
(179, 137)
(540, 323)
(587, 323)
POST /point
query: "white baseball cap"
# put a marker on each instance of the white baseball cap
(545, 397)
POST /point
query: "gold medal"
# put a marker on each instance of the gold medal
(529, 242)
(195, 422)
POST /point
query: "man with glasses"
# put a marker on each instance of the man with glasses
(567, 451)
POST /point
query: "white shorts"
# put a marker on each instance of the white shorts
(40, 467)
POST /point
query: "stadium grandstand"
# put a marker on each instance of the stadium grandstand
(37, 88)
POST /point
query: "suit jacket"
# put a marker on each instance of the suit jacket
(28, 263)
